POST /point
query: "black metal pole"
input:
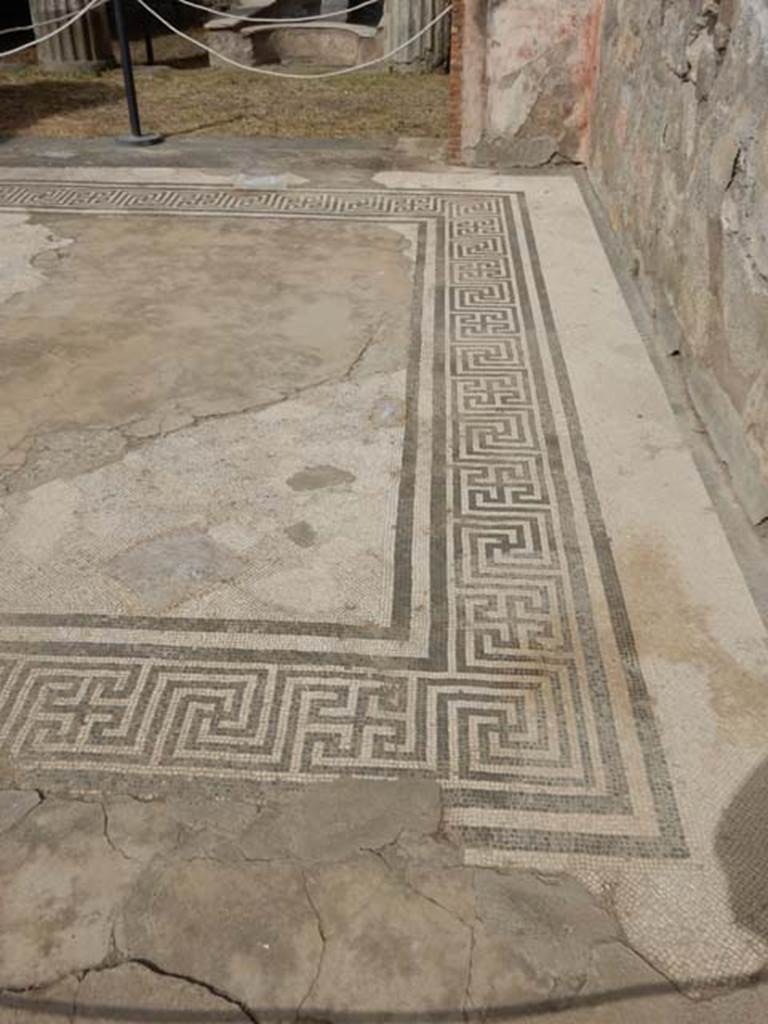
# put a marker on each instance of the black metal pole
(136, 138)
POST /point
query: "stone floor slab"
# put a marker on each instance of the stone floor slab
(15, 805)
(246, 930)
(386, 948)
(331, 822)
(62, 884)
(52, 1005)
(133, 992)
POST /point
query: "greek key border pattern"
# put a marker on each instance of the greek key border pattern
(503, 721)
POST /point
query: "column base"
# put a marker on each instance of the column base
(145, 139)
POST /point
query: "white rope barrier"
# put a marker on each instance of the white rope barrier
(277, 21)
(35, 24)
(42, 39)
(288, 74)
(40, 24)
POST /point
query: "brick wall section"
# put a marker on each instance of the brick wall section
(455, 85)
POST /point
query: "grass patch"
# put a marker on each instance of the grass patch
(187, 98)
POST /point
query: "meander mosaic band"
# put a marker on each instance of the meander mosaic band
(519, 688)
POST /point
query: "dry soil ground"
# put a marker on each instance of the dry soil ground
(185, 96)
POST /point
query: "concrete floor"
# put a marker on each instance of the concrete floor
(370, 647)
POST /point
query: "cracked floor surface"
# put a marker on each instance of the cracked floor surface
(369, 650)
(347, 903)
(247, 348)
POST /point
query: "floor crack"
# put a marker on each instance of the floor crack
(413, 889)
(373, 336)
(108, 838)
(213, 990)
(323, 940)
(22, 818)
(288, 396)
(32, 442)
(467, 1007)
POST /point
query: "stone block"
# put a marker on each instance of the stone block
(61, 883)
(328, 44)
(249, 48)
(246, 930)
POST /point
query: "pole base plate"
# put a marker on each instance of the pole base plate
(145, 139)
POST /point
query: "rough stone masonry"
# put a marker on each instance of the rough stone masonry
(679, 156)
(664, 101)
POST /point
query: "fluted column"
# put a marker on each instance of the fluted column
(86, 44)
(403, 19)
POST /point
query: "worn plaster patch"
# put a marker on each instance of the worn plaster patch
(267, 180)
(57, 454)
(171, 568)
(388, 412)
(683, 635)
(27, 252)
(15, 804)
(313, 478)
(301, 533)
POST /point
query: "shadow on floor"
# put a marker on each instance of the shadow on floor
(23, 104)
(21, 1002)
(741, 844)
(186, 63)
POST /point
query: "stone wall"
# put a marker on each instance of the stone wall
(666, 101)
(679, 156)
(527, 75)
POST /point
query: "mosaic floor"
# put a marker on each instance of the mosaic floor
(517, 571)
